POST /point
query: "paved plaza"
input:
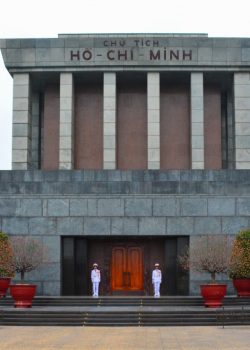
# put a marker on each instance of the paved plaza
(127, 338)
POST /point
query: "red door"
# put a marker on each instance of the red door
(127, 269)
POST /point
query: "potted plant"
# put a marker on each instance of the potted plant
(209, 253)
(240, 263)
(28, 254)
(6, 269)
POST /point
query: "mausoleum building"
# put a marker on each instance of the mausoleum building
(126, 148)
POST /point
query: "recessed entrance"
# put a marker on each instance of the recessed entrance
(127, 269)
(126, 264)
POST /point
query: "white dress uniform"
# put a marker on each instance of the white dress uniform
(96, 279)
(156, 280)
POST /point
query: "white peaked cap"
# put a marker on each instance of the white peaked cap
(95, 264)
(156, 264)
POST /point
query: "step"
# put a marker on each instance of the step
(31, 323)
(113, 301)
(128, 319)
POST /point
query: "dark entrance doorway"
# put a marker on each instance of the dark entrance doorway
(126, 264)
(127, 268)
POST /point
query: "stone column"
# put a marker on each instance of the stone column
(153, 99)
(21, 138)
(109, 121)
(66, 138)
(242, 120)
(231, 130)
(35, 125)
(197, 121)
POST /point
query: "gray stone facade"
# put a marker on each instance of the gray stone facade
(85, 51)
(52, 204)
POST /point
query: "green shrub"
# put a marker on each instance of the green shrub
(240, 257)
(6, 256)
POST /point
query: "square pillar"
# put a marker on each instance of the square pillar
(66, 138)
(242, 120)
(153, 104)
(35, 126)
(109, 121)
(21, 137)
(197, 121)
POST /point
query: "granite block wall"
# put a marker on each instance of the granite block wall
(71, 50)
(51, 204)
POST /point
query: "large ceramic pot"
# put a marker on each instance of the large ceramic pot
(4, 285)
(213, 294)
(23, 294)
(242, 286)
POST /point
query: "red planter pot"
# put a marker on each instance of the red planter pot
(242, 286)
(23, 294)
(4, 285)
(213, 294)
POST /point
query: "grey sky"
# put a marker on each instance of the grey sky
(20, 19)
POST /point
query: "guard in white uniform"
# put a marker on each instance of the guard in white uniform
(96, 279)
(156, 280)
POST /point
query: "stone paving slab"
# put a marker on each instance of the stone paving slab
(127, 338)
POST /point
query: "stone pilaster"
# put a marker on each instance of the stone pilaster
(109, 121)
(21, 138)
(242, 120)
(66, 139)
(197, 121)
(153, 104)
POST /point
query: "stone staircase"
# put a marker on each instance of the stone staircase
(124, 311)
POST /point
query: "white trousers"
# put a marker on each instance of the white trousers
(157, 289)
(95, 289)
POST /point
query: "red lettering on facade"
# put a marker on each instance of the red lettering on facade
(87, 55)
(129, 55)
(154, 55)
(74, 55)
(122, 55)
(174, 54)
(110, 55)
(115, 43)
(187, 55)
